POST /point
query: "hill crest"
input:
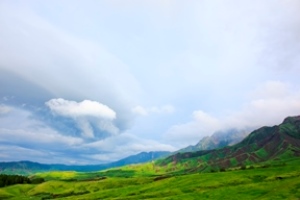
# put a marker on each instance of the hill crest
(263, 144)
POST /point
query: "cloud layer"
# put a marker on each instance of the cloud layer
(85, 108)
(22, 137)
(268, 105)
(100, 80)
(166, 109)
(89, 115)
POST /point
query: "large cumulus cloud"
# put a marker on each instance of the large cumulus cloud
(24, 137)
(90, 116)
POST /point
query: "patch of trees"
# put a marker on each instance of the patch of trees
(6, 180)
(37, 180)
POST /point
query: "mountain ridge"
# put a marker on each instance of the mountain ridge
(263, 144)
(217, 140)
(28, 167)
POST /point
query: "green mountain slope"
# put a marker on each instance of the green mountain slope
(275, 182)
(273, 153)
(264, 144)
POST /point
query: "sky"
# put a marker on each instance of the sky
(90, 82)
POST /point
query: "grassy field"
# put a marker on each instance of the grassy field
(265, 181)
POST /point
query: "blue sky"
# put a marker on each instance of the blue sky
(87, 82)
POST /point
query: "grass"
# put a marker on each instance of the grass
(276, 180)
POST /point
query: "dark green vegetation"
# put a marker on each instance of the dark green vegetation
(264, 144)
(265, 165)
(261, 182)
(7, 180)
(27, 167)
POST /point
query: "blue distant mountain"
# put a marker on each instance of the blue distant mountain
(28, 167)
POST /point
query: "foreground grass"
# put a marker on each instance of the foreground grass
(277, 182)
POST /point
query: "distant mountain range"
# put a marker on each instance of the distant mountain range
(274, 143)
(28, 167)
(264, 144)
(217, 140)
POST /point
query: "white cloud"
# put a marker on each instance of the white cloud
(126, 144)
(163, 109)
(166, 109)
(271, 89)
(86, 113)
(40, 137)
(17, 153)
(204, 118)
(14, 153)
(24, 137)
(19, 127)
(139, 110)
(86, 128)
(61, 62)
(271, 103)
(198, 56)
(4, 109)
(188, 133)
(85, 108)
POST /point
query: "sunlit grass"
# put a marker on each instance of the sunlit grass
(276, 181)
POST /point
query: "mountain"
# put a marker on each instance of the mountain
(140, 158)
(264, 144)
(28, 167)
(217, 140)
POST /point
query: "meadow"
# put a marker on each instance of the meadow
(262, 181)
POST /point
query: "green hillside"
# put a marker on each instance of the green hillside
(265, 165)
(264, 144)
(272, 182)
